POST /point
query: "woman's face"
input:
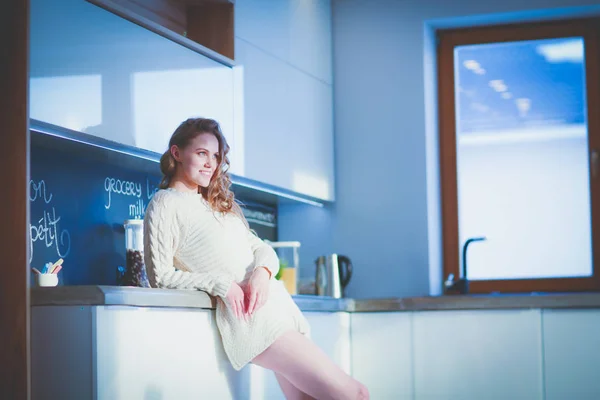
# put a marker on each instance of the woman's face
(198, 160)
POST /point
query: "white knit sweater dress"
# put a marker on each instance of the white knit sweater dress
(187, 245)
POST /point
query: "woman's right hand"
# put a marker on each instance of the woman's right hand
(235, 300)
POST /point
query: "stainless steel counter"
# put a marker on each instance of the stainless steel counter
(140, 297)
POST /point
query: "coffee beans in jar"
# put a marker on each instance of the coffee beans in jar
(135, 273)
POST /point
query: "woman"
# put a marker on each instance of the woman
(196, 237)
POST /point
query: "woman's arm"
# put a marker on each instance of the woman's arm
(161, 236)
(264, 255)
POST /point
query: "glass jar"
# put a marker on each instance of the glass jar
(135, 270)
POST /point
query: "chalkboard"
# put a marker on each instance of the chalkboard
(80, 196)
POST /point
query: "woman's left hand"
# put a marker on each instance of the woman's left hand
(257, 290)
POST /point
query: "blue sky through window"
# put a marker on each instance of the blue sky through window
(517, 85)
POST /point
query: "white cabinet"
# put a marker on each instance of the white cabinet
(571, 354)
(121, 352)
(94, 72)
(311, 38)
(297, 32)
(162, 354)
(125, 352)
(329, 331)
(478, 355)
(288, 125)
(283, 52)
(382, 353)
(264, 24)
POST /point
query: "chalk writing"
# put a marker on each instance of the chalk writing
(118, 186)
(138, 209)
(150, 189)
(47, 230)
(132, 189)
(38, 190)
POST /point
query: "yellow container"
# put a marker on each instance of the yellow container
(288, 277)
(289, 261)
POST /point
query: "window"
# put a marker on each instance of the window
(519, 142)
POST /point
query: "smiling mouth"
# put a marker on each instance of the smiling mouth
(206, 173)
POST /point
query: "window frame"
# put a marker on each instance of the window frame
(447, 40)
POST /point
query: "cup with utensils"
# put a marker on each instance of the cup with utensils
(48, 276)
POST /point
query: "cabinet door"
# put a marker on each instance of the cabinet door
(329, 331)
(265, 25)
(297, 32)
(62, 352)
(478, 355)
(382, 353)
(94, 72)
(571, 354)
(288, 125)
(153, 353)
(310, 38)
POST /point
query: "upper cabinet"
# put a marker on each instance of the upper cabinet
(97, 73)
(297, 32)
(283, 55)
(208, 23)
(130, 71)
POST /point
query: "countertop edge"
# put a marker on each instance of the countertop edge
(170, 298)
(480, 302)
(98, 295)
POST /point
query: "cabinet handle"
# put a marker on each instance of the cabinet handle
(595, 160)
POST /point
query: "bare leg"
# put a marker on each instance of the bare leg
(308, 368)
(290, 391)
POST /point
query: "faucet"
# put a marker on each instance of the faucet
(461, 286)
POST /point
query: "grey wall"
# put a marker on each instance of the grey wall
(386, 216)
(312, 226)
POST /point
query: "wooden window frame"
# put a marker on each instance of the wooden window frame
(589, 29)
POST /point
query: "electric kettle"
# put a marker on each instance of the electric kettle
(332, 276)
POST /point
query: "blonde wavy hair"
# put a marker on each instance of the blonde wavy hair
(218, 193)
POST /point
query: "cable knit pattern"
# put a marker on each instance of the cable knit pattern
(189, 246)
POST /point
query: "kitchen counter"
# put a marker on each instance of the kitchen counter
(142, 297)
(112, 342)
